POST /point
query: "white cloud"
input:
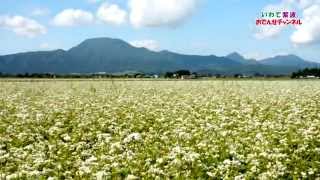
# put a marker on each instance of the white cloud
(155, 13)
(111, 14)
(149, 44)
(309, 31)
(263, 32)
(40, 12)
(73, 17)
(22, 26)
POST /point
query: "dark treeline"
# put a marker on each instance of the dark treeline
(51, 76)
(176, 74)
(180, 74)
(307, 73)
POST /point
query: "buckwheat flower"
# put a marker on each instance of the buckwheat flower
(155, 171)
(23, 116)
(39, 116)
(210, 174)
(100, 175)
(2, 152)
(53, 130)
(239, 177)
(84, 170)
(304, 175)
(259, 136)
(191, 156)
(254, 169)
(132, 138)
(115, 147)
(176, 162)
(105, 137)
(160, 160)
(310, 171)
(12, 176)
(115, 165)
(91, 160)
(66, 137)
(59, 124)
(131, 177)
(34, 173)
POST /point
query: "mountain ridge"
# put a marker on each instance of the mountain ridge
(115, 55)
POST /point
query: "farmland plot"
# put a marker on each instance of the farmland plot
(160, 130)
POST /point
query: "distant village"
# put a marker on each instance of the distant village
(308, 73)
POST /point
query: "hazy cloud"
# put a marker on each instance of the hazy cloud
(73, 17)
(155, 13)
(111, 14)
(309, 31)
(22, 26)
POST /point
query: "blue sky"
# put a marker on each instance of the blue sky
(185, 26)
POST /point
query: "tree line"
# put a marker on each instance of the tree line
(306, 73)
(175, 74)
(179, 74)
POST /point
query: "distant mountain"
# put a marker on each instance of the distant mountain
(239, 58)
(113, 56)
(289, 60)
(117, 56)
(43, 61)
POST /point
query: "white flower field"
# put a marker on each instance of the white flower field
(160, 129)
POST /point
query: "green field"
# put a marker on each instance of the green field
(160, 129)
